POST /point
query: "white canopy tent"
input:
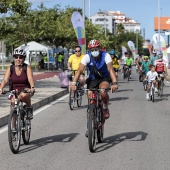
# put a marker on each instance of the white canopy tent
(34, 47)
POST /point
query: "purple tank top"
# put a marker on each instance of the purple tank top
(19, 82)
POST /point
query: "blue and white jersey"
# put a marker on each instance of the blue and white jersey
(101, 63)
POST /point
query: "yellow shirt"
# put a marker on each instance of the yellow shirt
(75, 61)
(115, 63)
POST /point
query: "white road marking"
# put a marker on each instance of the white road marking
(5, 128)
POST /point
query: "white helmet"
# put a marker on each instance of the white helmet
(19, 52)
(154, 52)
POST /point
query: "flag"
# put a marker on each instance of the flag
(161, 44)
(132, 48)
(78, 25)
(123, 50)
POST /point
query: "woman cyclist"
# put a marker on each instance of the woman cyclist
(21, 78)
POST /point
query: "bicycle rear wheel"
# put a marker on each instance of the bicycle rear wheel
(92, 128)
(79, 98)
(14, 131)
(71, 99)
(26, 130)
(161, 88)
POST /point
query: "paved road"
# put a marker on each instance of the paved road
(136, 135)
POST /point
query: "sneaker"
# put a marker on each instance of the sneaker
(130, 76)
(14, 131)
(30, 112)
(156, 90)
(106, 113)
(147, 96)
(86, 134)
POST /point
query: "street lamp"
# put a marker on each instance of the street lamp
(159, 24)
(137, 31)
(89, 11)
(84, 10)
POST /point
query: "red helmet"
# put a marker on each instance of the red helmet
(94, 43)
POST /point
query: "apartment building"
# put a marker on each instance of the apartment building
(110, 19)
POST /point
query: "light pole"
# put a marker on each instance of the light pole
(89, 11)
(159, 24)
(137, 31)
(84, 10)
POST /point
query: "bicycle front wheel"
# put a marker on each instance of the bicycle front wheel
(100, 130)
(153, 95)
(79, 98)
(26, 129)
(71, 99)
(14, 131)
(161, 88)
(92, 128)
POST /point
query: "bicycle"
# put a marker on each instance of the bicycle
(152, 91)
(75, 95)
(95, 119)
(160, 85)
(19, 123)
(126, 72)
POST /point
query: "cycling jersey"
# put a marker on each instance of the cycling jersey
(115, 63)
(160, 66)
(153, 59)
(101, 63)
(75, 61)
(129, 61)
(145, 66)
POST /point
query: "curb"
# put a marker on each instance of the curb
(4, 120)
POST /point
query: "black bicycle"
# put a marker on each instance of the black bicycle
(126, 72)
(152, 91)
(160, 85)
(19, 124)
(95, 119)
(75, 95)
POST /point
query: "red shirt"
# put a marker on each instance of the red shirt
(160, 66)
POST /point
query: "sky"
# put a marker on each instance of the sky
(142, 11)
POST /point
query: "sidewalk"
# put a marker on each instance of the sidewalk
(47, 88)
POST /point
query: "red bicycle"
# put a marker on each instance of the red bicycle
(95, 119)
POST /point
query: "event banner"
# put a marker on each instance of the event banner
(132, 48)
(123, 50)
(78, 25)
(160, 46)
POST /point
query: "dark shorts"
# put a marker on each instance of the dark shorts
(96, 82)
(116, 69)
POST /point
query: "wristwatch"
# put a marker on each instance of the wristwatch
(114, 83)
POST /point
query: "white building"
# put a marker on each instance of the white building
(103, 19)
(110, 19)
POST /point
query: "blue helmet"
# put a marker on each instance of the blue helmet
(112, 52)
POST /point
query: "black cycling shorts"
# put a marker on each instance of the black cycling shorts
(91, 84)
(116, 69)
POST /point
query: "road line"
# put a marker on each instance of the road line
(39, 110)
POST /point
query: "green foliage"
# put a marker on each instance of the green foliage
(53, 27)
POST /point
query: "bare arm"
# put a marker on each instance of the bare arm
(79, 72)
(69, 65)
(6, 78)
(30, 76)
(111, 71)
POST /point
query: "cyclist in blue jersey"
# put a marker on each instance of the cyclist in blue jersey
(101, 71)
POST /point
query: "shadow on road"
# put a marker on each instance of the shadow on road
(35, 144)
(118, 98)
(160, 99)
(124, 90)
(116, 139)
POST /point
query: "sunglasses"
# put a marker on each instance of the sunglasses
(77, 51)
(94, 49)
(18, 57)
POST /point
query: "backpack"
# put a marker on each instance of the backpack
(11, 71)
